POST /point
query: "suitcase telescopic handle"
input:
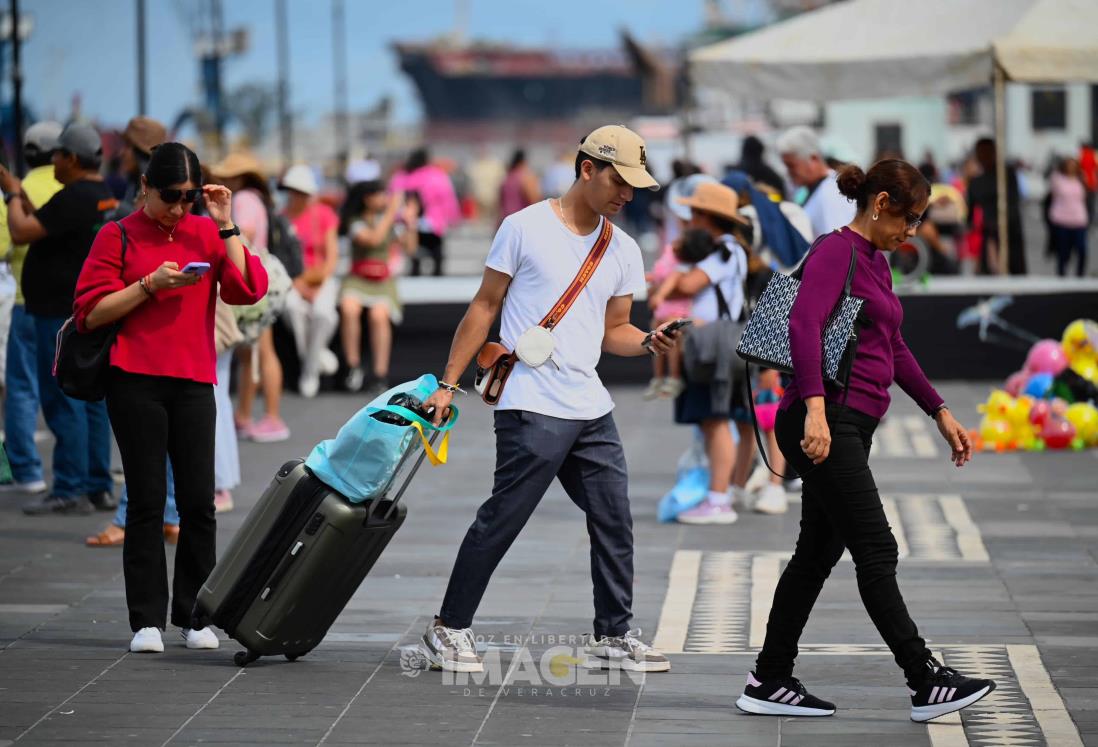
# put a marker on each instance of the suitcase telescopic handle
(420, 454)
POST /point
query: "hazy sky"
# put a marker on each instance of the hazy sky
(88, 46)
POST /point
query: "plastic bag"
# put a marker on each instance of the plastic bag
(361, 461)
(691, 482)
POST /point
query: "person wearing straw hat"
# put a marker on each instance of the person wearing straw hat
(554, 418)
(243, 174)
(141, 135)
(716, 280)
(311, 304)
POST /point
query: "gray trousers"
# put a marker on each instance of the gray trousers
(588, 459)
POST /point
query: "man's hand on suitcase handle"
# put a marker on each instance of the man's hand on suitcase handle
(439, 403)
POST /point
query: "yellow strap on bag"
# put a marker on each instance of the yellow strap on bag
(435, 458)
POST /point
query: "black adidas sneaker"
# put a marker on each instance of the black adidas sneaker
(782, 697)
(944, 691)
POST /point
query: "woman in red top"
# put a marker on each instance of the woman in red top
(160, 399)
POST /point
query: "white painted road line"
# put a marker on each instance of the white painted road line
(969, 542)
(1048, 706)
(678, 605)
(764, 579)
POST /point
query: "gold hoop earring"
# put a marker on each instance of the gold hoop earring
(876, 216)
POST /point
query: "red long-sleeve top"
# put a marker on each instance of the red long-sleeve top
(172, 333)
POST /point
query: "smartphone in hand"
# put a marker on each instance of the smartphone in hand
(196, 268)
(676, 325)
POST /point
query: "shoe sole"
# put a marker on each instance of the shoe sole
(597, 661)
(922, 714)
(723, 519)
(270, 439)
(747, 704)
(768, 510)
(437, 662)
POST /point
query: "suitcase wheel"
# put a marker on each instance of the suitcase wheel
(244, 658)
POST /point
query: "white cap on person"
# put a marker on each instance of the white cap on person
(300, 178)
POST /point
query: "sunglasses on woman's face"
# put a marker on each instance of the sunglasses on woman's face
(172, 196)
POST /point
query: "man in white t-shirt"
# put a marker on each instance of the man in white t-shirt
(827, 209)
(554, 420)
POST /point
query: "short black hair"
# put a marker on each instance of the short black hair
(84, 162)
(598, 162)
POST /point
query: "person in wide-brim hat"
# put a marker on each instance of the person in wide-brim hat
(716, 199)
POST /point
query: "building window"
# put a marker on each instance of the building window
(1049, 107)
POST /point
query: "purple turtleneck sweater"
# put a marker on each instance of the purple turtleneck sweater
(883, 356)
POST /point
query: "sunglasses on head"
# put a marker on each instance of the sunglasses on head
(172, 196)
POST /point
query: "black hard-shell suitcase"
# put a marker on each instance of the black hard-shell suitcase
(298, 558)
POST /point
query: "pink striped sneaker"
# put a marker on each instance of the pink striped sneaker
(270, 429)
(709, 513)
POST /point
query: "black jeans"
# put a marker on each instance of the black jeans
(587, 457)
(153, 416)
(841, 508)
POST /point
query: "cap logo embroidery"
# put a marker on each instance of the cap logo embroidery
(608, 150)
(644, 158)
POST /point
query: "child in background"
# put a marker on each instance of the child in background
(660, 282)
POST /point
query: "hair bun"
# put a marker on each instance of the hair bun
(852, 181)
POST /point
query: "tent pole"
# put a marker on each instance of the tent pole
(1003, 244)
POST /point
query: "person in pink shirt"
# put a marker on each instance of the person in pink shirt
(311, 303)
(1067, 214)
(440, 204)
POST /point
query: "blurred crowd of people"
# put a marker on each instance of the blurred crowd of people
(334, 249)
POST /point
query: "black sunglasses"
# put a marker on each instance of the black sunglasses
(172, 196)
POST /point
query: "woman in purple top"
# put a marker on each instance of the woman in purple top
(826, 434)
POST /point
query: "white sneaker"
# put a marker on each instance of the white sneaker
(203, 638)
(653, 389)
(33, 487)
(741, 499)
(308, 385)
(628, 651)
(772, 500)
(329, 363)
(452, 649)
(147, 641)
(758, 480)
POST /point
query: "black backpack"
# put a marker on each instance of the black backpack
(282, 242)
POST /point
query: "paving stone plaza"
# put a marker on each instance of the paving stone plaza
(999, 569)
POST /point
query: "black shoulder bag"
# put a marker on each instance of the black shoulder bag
(82, 360)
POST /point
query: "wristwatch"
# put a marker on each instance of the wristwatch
(227, 232)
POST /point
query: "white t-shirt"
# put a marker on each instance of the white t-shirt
(542, 257)
(729, 275)
(827, 208)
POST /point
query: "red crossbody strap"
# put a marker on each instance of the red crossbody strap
(598, 251)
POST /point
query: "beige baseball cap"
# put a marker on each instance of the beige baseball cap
(623, 148)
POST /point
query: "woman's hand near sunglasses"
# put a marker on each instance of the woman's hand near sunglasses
(219, 204)
(169, 276)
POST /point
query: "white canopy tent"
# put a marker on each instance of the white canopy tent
(881, 48)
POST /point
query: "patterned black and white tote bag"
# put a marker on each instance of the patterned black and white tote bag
(765, 340)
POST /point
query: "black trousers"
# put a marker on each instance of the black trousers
(841, 508)
(153, 416)
(588, 459)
